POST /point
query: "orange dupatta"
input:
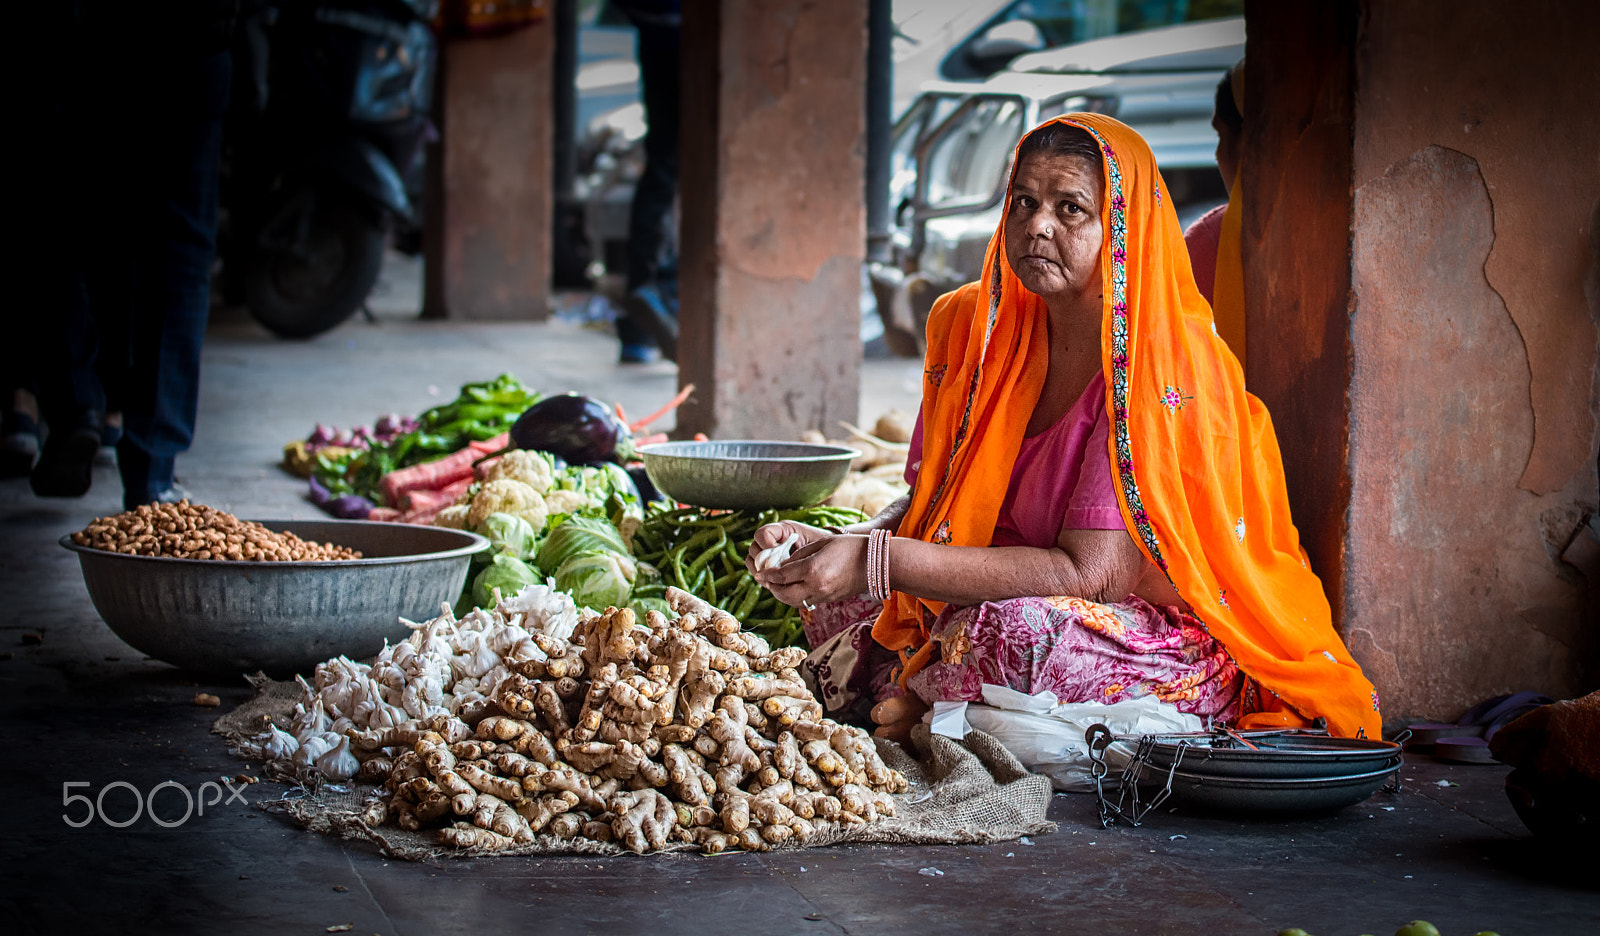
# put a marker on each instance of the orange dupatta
(1199, 477)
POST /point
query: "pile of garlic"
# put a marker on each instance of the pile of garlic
(448, 666)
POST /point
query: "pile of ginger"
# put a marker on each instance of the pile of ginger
(686, 730)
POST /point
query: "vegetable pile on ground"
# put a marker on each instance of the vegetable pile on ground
(414, 475)
(533, 720)
(194, 531)
(331, 443)
(702, 552)
(346, 480)
(570, 525)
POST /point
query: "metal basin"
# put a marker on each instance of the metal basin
(1277, 797)
(746, 475)
(227, 618)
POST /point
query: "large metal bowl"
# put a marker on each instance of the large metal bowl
(227, 618)
(746, 475)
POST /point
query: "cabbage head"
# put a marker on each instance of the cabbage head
(579, 536)
(509, 535)
(599, 580)
(507, 573)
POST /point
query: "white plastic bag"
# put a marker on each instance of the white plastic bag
(1048, 737)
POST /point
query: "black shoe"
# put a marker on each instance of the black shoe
(64, 465)
(19, 444)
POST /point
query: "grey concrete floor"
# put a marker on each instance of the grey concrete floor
(82, 707)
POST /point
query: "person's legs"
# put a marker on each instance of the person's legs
(1083, 652)
(652, 198)
(60, 199)
(847, 670)
(172, 291)
(654, 193)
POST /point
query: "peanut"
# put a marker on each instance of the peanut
(193, 531)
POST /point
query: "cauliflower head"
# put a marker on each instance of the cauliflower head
(566, 502)
(531, 468)
(453, 517)
(503, 495)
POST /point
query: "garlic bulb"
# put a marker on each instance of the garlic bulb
(775, 556)
(309, 719)
(313, 747)
(279, 745)
(338, 763)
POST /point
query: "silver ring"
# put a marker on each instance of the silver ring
(807, 605)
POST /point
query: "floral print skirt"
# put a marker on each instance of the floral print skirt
(1080, 650)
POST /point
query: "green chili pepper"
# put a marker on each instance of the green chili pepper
(705, 558)
(752, 595)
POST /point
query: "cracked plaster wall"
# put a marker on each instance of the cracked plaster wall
(1472, 401)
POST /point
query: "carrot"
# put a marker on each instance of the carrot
(436, 474)
(385, 514)
(492, 445)
(676, 402)
(422, 499)
(422, 517)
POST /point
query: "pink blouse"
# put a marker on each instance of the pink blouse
(1202, 240)
(1062, 478)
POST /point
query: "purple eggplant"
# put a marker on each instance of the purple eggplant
(349, 507)
(320, 495)
(580, 429)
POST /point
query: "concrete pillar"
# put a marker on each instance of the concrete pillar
(772, 231)
(488, 247)
(1298, 111)
(1421, 247)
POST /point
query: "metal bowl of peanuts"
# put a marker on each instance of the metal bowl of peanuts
(214, 594)
(746, 475)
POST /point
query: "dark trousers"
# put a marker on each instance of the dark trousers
(135, 237)
(658, 186)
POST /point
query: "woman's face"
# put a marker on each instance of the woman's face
(1053, 231)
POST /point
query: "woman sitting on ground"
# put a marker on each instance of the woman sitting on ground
(1097, 505)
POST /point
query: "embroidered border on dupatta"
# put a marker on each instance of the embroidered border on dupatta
(1119, 352)
(972, 387)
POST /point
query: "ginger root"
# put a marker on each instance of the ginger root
(648, 734)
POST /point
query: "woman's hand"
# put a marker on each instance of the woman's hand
(825, 567)
(774, 534)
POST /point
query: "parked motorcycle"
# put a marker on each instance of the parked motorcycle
(331, 111)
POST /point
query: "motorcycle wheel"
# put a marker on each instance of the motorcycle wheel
(303, 290)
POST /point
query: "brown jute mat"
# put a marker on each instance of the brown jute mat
(968, 792)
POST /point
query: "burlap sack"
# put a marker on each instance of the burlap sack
(961, 793)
